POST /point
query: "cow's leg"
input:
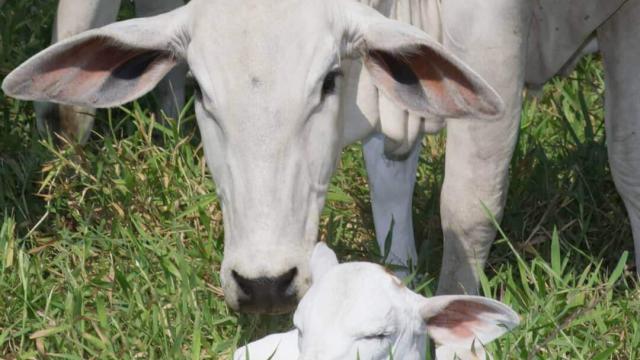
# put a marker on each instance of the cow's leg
(170, 92)
(391, 185)
(618, 39)
(73, 17)
(491, 37)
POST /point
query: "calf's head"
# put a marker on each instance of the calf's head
(359, 310)
(270, 92)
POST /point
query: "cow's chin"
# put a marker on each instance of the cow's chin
(285, 307)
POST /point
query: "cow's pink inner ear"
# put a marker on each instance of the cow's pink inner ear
(438, 74)
(398, 67)
(99, 72)
(394, 75)
(424, 80)
(459, 317)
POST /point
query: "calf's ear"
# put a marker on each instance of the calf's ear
(322, 260)
(461, 321)
(416, 72)
(104, 67)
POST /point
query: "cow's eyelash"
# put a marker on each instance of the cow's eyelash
(377, 336)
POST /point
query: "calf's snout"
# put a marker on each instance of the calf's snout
(267, 294)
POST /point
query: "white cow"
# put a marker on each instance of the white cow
(510, 43)
(360, 311)
(272, 108)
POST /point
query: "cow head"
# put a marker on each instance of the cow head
(271, 91)
(359, 310)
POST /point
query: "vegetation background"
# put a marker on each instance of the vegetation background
(112, 250)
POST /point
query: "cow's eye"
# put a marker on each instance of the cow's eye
(329, 84)
(377, 336)
(197, 88)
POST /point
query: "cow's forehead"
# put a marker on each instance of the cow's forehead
(362, 277)
(259, 57)
(262, 33)
(357, 294)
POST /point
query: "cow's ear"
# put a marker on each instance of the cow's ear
(416, 72)
(460, 321)
(322, 260)
(104, 67)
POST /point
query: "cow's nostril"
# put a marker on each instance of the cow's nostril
(243, 283)
(283, 282)
(267, 294)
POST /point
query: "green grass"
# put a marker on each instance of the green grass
(112, 250)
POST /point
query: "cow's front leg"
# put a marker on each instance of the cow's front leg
(170, 92)
(490, 36)
(73, 17)
(391, 186)
(618, 39)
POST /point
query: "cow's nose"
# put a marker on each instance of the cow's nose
(271, 295)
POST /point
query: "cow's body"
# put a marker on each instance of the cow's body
(511, 43)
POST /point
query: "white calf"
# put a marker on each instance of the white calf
(360, 311)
